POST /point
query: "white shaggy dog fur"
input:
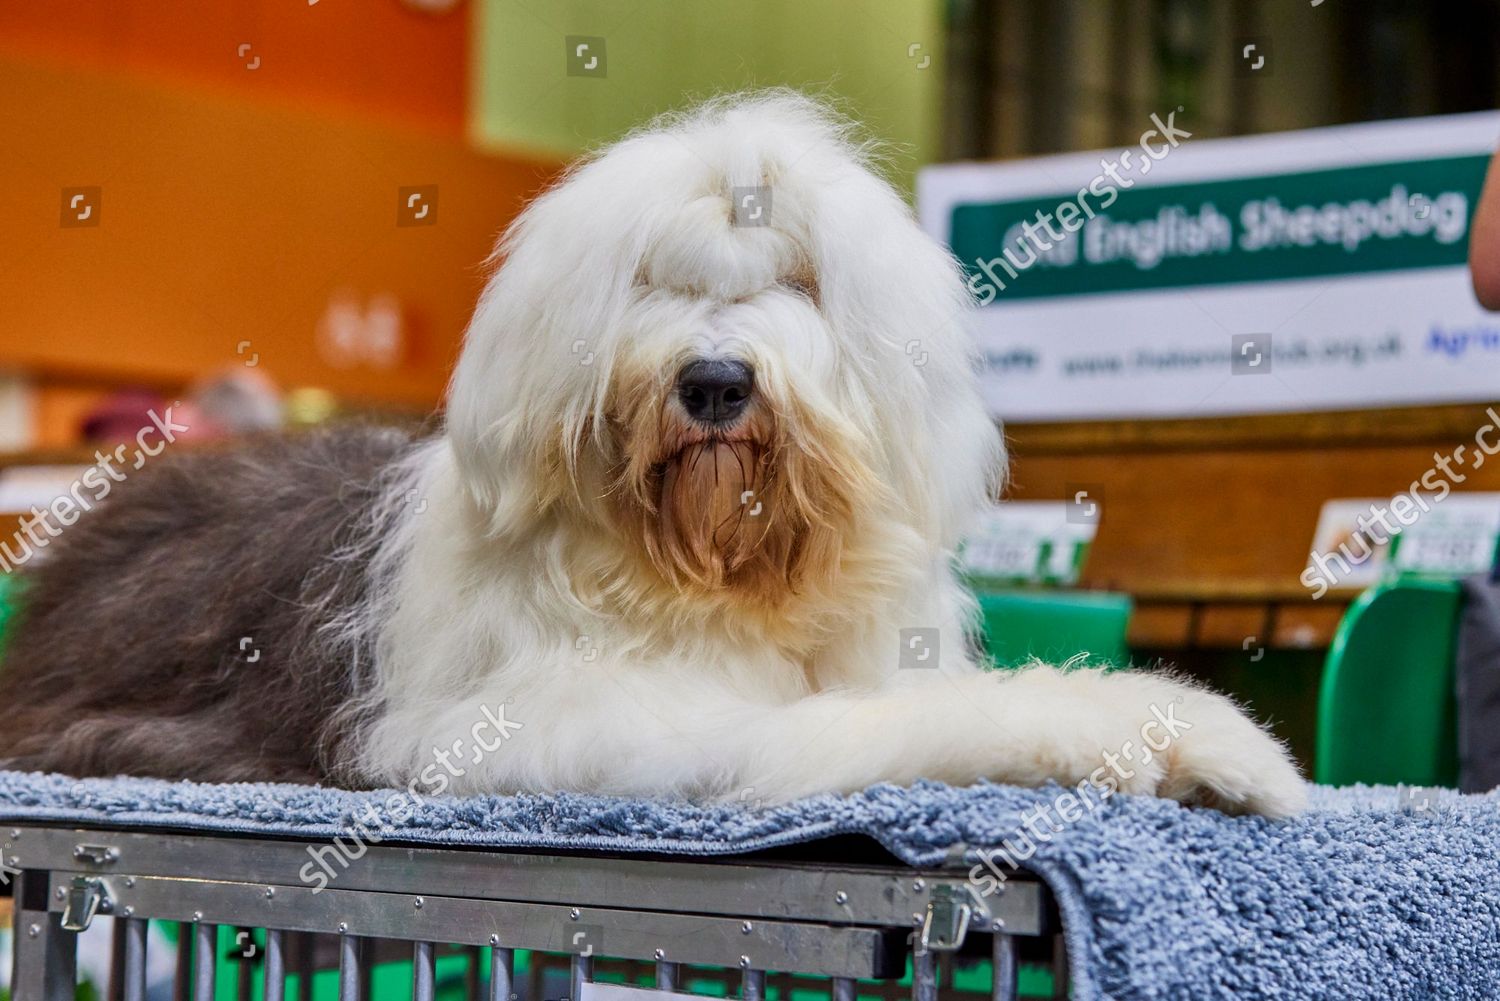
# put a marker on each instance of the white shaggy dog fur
(669, 606)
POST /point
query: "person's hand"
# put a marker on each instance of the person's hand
(1484, 240)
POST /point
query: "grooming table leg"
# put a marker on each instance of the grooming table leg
(134, 987)
(502, 973)
(423, 972)
(275, 984)
(753, 987)
(843, 989)
(582, 973)
(923, 976)
(666, 976)
(46, 957)
(205, 939)
(351, 970)
(1004, 972)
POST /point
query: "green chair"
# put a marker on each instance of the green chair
(1387, 712)
(1055, 625)
(10, 587)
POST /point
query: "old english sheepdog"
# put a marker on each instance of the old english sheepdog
(693, 484)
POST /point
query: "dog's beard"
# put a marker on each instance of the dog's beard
(751, 512)
(710, 520)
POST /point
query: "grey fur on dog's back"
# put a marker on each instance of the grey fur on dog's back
(187, 626)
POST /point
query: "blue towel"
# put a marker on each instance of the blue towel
(1370, 894)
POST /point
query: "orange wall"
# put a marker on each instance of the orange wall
(375, 59)
(237, 203)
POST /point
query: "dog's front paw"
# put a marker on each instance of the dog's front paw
(1225, 761)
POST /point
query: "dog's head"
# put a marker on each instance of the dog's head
(724, 346)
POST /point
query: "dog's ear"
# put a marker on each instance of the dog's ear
(888, 287)
(528, 389)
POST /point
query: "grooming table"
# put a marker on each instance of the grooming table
(756, 919)
(1374, 893)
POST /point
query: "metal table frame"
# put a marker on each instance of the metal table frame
(844, 923)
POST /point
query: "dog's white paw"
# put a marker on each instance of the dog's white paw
(1229, 763)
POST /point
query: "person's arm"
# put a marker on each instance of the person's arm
(1484, 241)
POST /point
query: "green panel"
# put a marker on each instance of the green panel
(10, 594)
(1216, 232)
(658, 56)
(1388, 712)
(1054, 626)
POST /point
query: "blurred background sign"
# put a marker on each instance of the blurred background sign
(1031, 542)
(1327, 267)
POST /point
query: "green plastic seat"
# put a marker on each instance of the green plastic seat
(9, 590)
(1053, 626)
(1387, 713)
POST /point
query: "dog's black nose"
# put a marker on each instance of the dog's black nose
(715, 390)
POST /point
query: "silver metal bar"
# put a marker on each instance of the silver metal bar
(1004, 985)
(814, 949)
(135, 959)
(666, 975)
(582, 971)
(349, 968)
(423, 972)
(871, 895)
(753, 985)
(502, 973)
(923, 976)
(843, 989)
(46, 961)
(275, 971)
(205, 938)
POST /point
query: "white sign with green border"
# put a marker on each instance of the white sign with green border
(1030, 542)
(1303, 271)
(1457, 535)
